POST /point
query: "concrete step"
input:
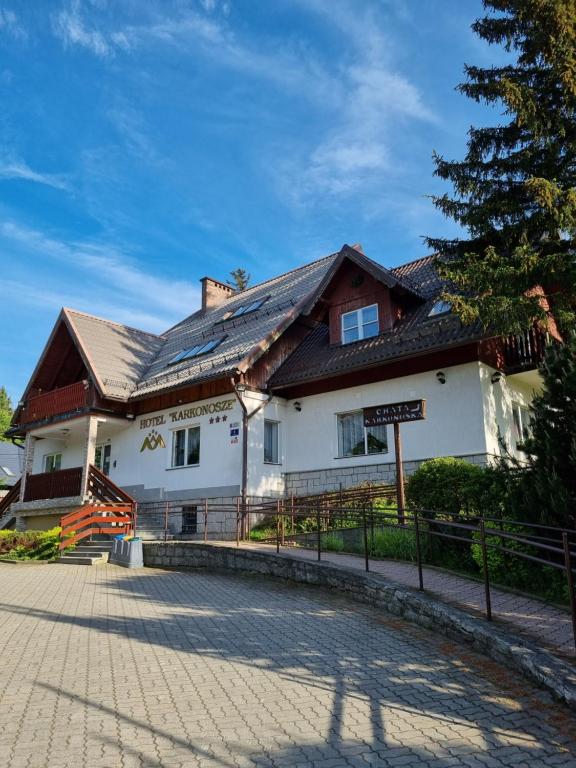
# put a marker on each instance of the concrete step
(71, 558)
(94, 546)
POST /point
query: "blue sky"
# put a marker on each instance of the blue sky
(146, 143)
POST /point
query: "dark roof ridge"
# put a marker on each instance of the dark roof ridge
(67, 310)
(285, 274)
(238, 294)
(414, 261)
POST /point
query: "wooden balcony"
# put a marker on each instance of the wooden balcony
(68, 399)
(524, 351)
(54, 485)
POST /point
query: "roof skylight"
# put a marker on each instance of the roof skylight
(245, 309)
(197, 350)
(440, 308)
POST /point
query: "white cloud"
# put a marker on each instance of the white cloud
(360, 96)
(13, 168)
(70, 27)
(102, 279)
(10, 24)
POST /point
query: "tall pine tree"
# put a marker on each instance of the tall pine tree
(543, 486)
(515, 191)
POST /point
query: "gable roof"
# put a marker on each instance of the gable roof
(377, 271)
(414, 334)
(244, 338)
(127, 363)
(116, 355)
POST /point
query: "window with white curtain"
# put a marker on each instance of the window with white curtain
(354, 439)
(186, 447)
(271, 440)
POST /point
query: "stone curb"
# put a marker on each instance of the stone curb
(537, 665)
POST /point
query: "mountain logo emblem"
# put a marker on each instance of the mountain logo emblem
(152, 441)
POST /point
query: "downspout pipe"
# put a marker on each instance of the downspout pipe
(246, 416)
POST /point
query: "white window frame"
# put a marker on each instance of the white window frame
(51, 456)
(521, 417)
(359, 325)
(278, 454)
(186, 431)
(342, 455)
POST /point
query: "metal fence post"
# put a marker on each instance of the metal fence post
(135, 519)
(237, 522)
(165, 521)
(318, 534)
(205, 520)
(485, 567)
(366, 561)
(418, 551)
(278, 527)
(570, 581)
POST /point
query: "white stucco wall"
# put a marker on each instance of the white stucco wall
(220, 458)
(265, 479)
(455, 423)
(72, 451)
(498, 400)
(464, 417)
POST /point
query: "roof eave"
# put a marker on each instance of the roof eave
(376, 364)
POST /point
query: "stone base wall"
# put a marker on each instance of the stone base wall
(535, 664)
(319, 480)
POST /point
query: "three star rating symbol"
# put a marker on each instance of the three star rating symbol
(218, 419)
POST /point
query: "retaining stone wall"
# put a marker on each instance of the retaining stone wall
(538, 666)
(319, 480)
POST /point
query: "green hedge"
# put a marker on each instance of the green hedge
(454, 486)
(30, 545)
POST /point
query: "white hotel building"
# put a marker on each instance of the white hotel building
(260, 393)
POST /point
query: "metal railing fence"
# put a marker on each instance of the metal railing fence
(358, 515)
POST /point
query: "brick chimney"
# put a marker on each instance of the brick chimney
(214, 292)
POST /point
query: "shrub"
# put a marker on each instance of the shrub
(451, 485)
(30, 545)
(509, 569)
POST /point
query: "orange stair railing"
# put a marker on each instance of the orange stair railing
(112, 519)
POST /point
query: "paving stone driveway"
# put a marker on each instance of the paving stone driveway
(108, 667)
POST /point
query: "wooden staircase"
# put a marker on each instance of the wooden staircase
(110, 512)
(6, 517)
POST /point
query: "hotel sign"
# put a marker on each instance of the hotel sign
(394, 413)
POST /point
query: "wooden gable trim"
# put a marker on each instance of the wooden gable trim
(84, 353)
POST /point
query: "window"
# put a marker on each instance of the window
(521, 416)
(245, 309)
(360, 324)
(189, 519)
(52, 462)
(196, 351)
(271, 434)
(440, 308)
(354, 439)
(186, 447)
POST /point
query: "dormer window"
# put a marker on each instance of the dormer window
(360, 324)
